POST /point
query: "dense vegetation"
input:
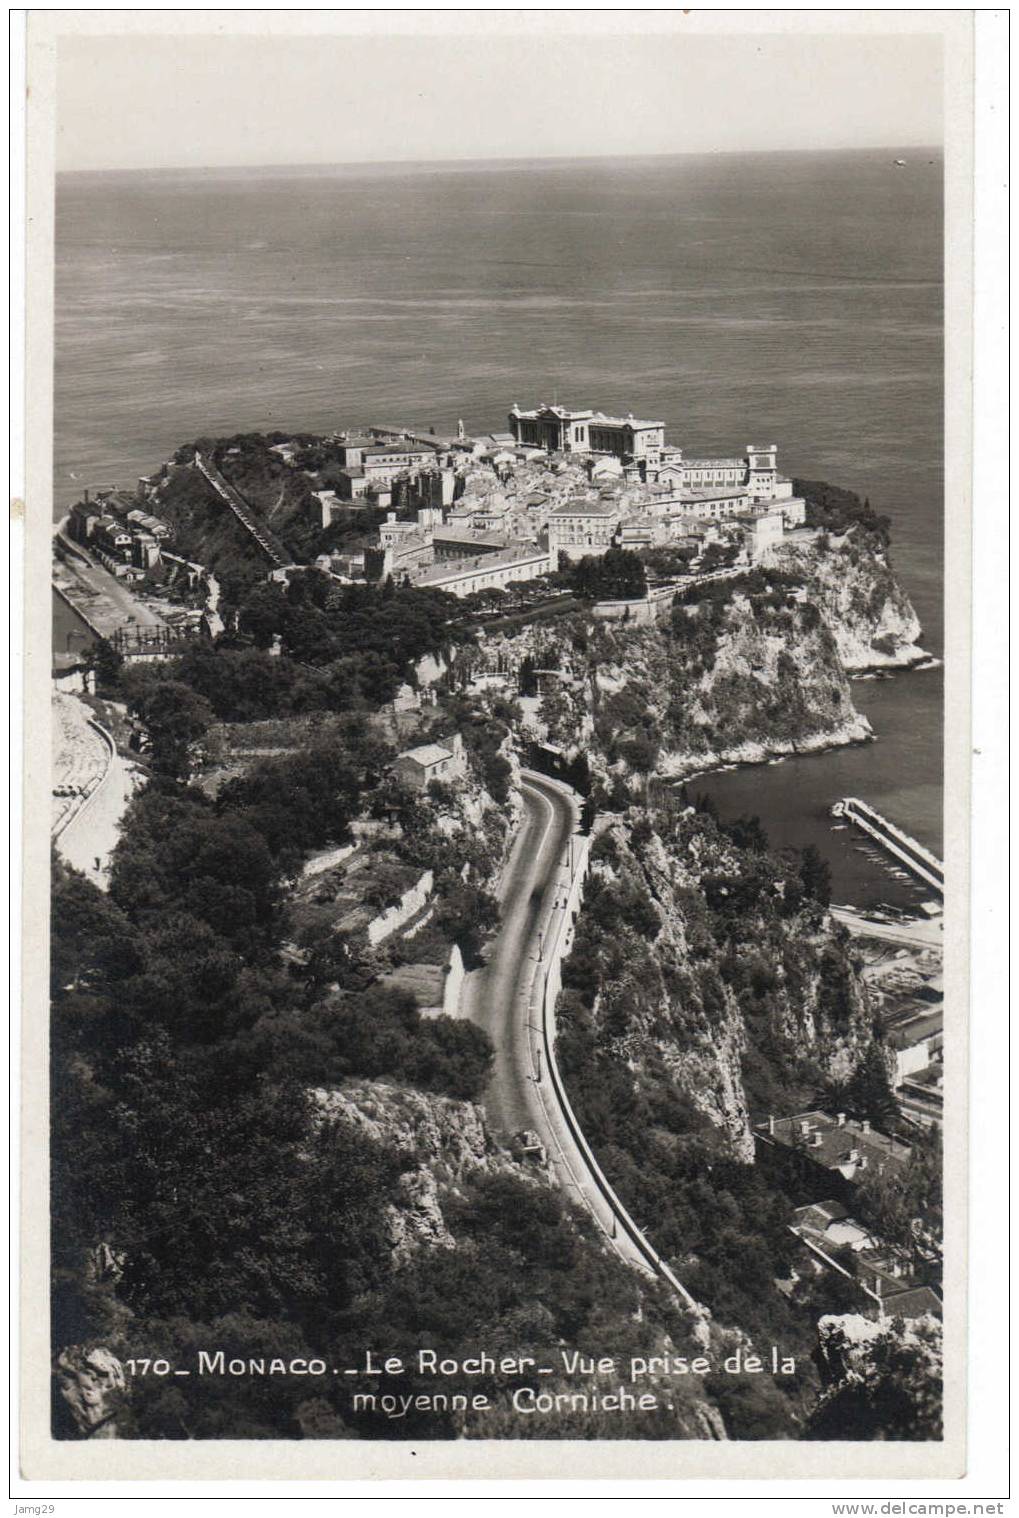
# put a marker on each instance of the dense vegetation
(310, 646)
(836, 510)
(616, 575)
(279, 493)
(184, 1146)
(199, 1200)
(364, 638)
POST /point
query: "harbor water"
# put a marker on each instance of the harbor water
(786, 298)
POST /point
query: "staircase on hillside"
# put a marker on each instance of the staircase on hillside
(266, 540)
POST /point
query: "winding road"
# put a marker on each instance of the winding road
(500, 999)
(496, 997)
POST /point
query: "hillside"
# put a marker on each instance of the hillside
(243, 1064)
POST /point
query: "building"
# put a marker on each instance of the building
(351, 483)
(755, 473)
(891, 1280)
(794, 511)
(382, 462)
(433, 488)
(582, 528)
(561, 429)
(914, 1042)
(762, 533)
(144, 550)
(350, 450)
(112, 536)
(714, 503)
(816, 1143)
(445, 761)
(144, 521)
(921, 1096)
(489, 571)
(402, 553)
(642, 532)
(82, 520)
(460, 540)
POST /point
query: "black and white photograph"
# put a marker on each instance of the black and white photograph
(506, 955)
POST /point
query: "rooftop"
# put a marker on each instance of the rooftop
(715, 463)
(583, 414)
(455, 568)
(713, 495)
(459, 534)
(601, 419)
(915, 1030)
(820, 1215)
(837, 1140)
(427, 754)
(913, 1303)
(585, 509)
(382, 450)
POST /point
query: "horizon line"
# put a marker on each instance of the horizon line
(378, 163)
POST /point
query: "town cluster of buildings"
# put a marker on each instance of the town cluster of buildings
(477, 513)
(830, 1154)
(116, 530)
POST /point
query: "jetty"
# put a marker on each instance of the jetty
(917, 859)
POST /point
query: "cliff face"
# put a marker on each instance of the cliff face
(866, 610)
(448, 1141)
(740, 672)
(90, 1390)
(881, 1379)
(683, 1008)
(724, 687)
(451, 1149)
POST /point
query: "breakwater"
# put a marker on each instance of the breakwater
(917, 859)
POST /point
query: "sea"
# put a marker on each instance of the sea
(788, 298)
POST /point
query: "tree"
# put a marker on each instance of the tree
(528, 681)
(94, 944)
(617, 575)
(104, 662)
(896, 1203)
(176, 719)
(747, 833)
(869, 1092)
(467, 914)
(815, 876)
(640, 752)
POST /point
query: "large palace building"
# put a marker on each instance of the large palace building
(563, 430)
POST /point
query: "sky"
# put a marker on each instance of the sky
(196, 102)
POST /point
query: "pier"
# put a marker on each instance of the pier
(917, 859)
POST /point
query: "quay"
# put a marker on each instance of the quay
(910, 933)
(917, 859)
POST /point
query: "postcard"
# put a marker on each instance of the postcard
(498, 992)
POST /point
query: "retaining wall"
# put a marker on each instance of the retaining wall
(453, 985)
(412, 900)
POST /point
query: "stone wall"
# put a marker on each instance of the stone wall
(453, 986)
(412, 900)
